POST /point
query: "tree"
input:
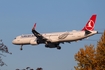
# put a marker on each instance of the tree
(101, 52)
(85, 58)
(91, 58)
(17, 69)
(39, 68)
(27, 68)
(3, 49)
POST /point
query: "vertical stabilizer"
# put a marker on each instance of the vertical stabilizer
(90, 24)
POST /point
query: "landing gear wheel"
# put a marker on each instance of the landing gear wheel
(21, 48)
(58, 47)
(46, 45)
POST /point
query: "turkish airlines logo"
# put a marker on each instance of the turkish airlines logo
(90, 25)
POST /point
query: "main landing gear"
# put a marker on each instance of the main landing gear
(58, 47)
(52, 46)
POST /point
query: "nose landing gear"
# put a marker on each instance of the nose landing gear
(21, 47)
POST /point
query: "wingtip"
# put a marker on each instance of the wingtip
(34, 26)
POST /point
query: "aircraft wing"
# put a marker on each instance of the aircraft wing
(38, 35)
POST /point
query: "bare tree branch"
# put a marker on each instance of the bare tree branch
(3, 49)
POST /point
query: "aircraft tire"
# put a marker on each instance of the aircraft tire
(58, 47)
(46, 45)
(21, 48)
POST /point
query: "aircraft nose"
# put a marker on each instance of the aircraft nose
(14, 42)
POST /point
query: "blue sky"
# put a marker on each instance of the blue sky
(18, 16)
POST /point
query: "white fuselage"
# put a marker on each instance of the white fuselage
(53, 37)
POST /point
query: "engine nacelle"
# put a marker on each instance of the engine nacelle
(33, 42)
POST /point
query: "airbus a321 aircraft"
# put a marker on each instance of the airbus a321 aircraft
(53, 40)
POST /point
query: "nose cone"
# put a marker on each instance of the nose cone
(14, 42)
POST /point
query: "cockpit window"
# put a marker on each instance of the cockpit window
(14, 38)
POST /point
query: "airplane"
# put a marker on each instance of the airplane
(53, 40)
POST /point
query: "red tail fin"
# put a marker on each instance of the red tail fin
(90, 24)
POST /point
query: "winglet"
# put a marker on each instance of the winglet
(34, 27)
(91, 23)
